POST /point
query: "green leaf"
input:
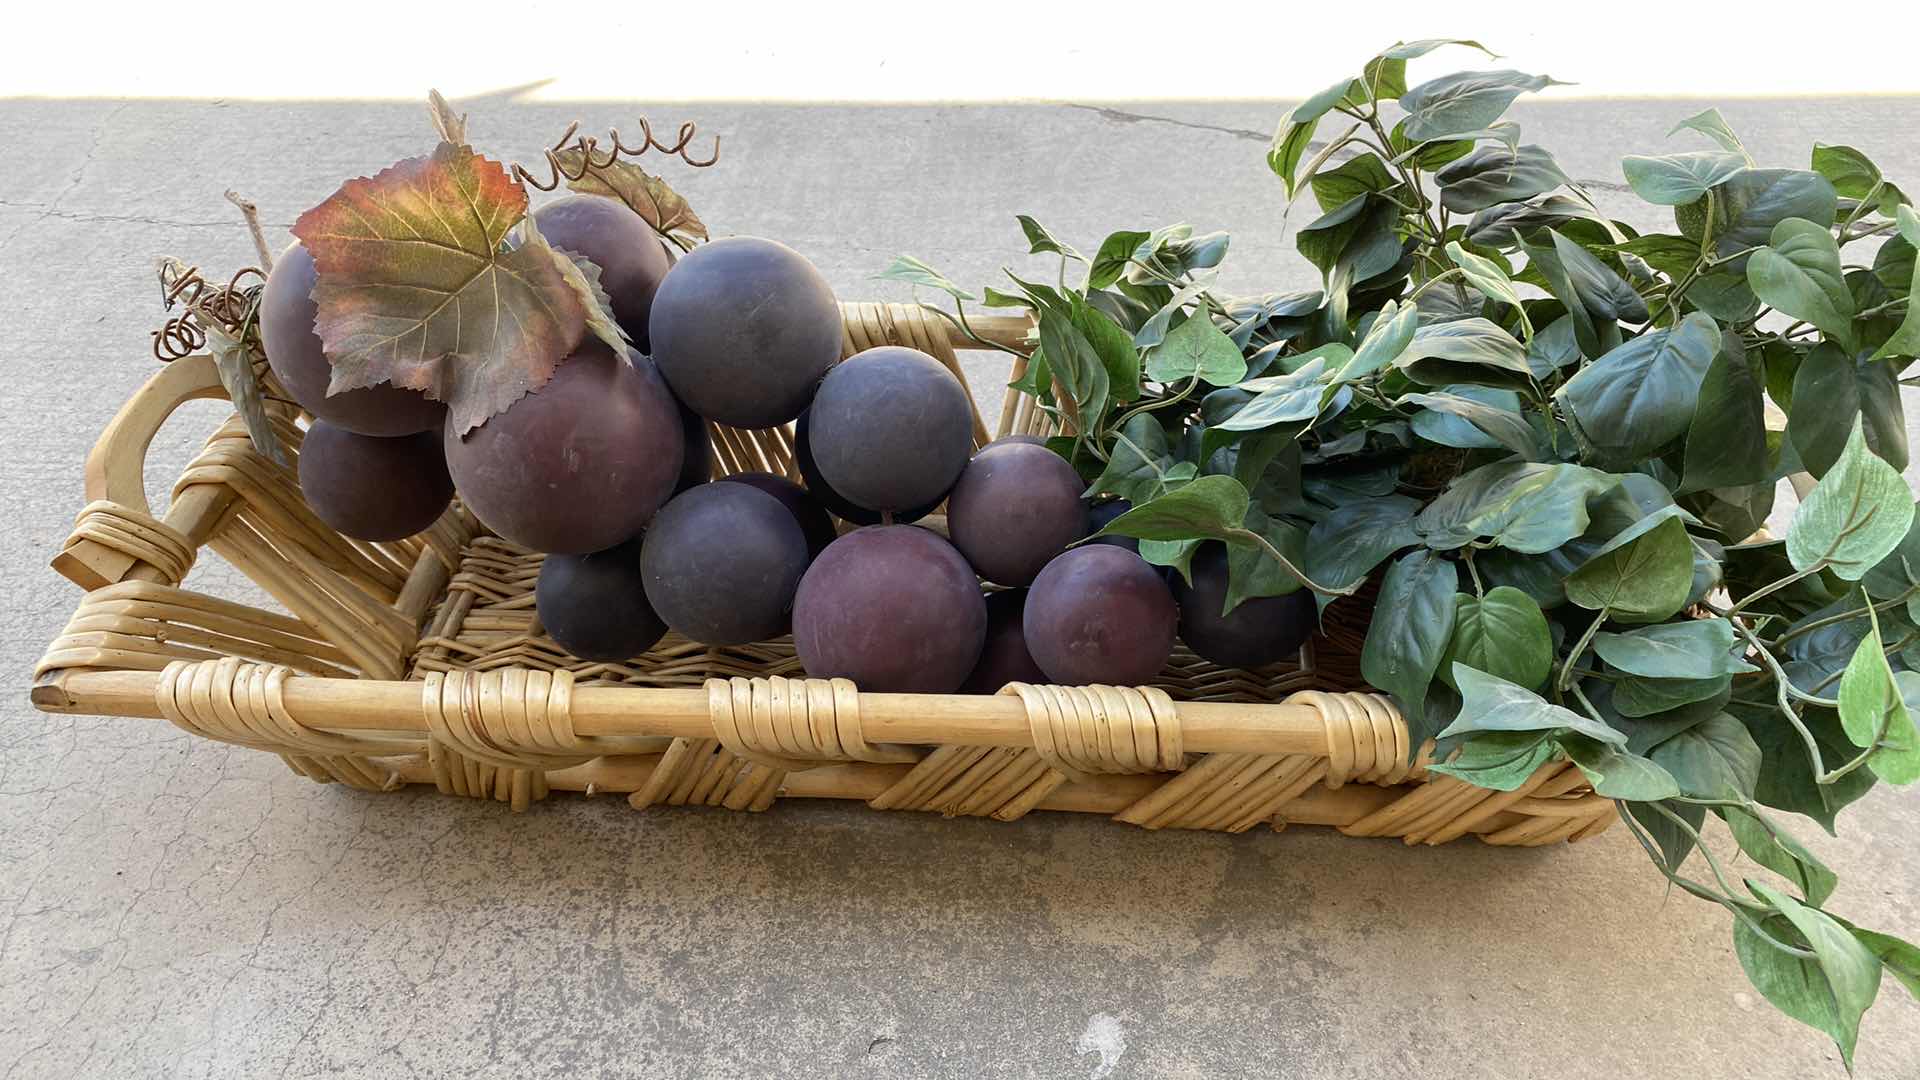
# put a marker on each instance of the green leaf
(1776, 849)
(1357, 176)
(1353, 538)
(1413, 50)
(1642, 395)
(1141, 467)
(1799, 274)
(1154, 330)
(1490, 703)
(1714, 126)
(1464, 101)
(1787, 773)
(1715, 759)
(912, 271)
(1898, 574)
(1196, 349)
(1175, 553)
(1392, 331)
(1642, 575)
(1209, 507)
(1874, 713)
(1617, 773)
(1113, 345)
(1076, 366)
(1856, 514)
(1485, 274)
(1111, 260)
(1676, 179)
(1412, 620)
(1296, 396)
(1727, 437)
(1499, 760)
(1830, 991)
(1503, 634)
(1040, 241)
(1473, 417)
(1553, 348)
(1474, 351)
(1675, 843)
(1526, 506)
(1845, 391)
(1252, 573)
(1905, 340)
(1851, 172)
(1901, 958)
(1637, 697)
(1493, 175)
(1690, 649)
(1748, 206)
(1359, 233)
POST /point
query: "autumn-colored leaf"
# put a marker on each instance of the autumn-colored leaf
(583, 277)
(418, 288)
(647, 195)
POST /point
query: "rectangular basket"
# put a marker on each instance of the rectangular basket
(422, 662)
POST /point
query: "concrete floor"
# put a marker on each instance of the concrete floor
(173, 907)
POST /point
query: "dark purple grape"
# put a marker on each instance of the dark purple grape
(1012, 440)
(1014, 509)
(721, 563)
(631, 258)
(293, 352)
(1102, 515)
(595, 605)
(837, 505)
(1099, 614)
(1004, 658)
(744, 329)
(373, 487)
(696, 462)
(890, 429)
(892, 607)
(579, 465)
(814, 521)
(1256, 633)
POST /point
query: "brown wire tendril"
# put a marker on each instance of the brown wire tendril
(590, 149)
(231, 307)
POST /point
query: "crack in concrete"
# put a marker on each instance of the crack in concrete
(1121, 116)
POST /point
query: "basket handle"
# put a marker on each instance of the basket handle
(116, 482)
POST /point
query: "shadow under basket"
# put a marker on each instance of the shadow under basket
(422, 662)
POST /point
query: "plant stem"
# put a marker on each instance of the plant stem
(1287, 564)
(1579, 647)
(1774, 587)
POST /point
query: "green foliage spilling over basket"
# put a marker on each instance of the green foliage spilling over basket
(1510, 465)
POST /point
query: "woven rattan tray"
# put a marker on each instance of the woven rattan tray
(422, 662)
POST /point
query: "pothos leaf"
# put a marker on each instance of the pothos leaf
(1829, 991)
(906, 268)
(1412, 621)
(1644, 575)
(417, 289)
(1503, 633)
(644, 193)
(1856, 515)
(1197, 349)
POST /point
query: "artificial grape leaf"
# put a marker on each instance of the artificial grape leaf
(1499, 760)
(1714, 126)
(1210, 507)
(583, 277)
(1845, 391)
(1490, 703)
(1799, 274)
(1493, 175)
(417, 288)
(1485, 274)
(1715, 759)
(1473, 351)
(1618, 773)
(1528, 507)
(1856, 515)
(1196, 349)
(1874, 714)
(644, 193)
(906, 268)
(1354, 537)
(1489, 417)
(1643, 575)
(1504, 634)
(1464, 101)
(1643, 395)
(1677, 179)
(1727, 437)
(1774, 848)
(1829, 991)
(233, 362)
(1689, 649)
(1412, 620)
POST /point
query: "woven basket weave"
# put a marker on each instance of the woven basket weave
(422, 662)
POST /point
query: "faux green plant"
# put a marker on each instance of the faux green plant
(1544, 434)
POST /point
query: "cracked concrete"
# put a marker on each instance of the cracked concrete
(173, 907)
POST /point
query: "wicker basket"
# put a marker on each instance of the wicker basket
(422, 662)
